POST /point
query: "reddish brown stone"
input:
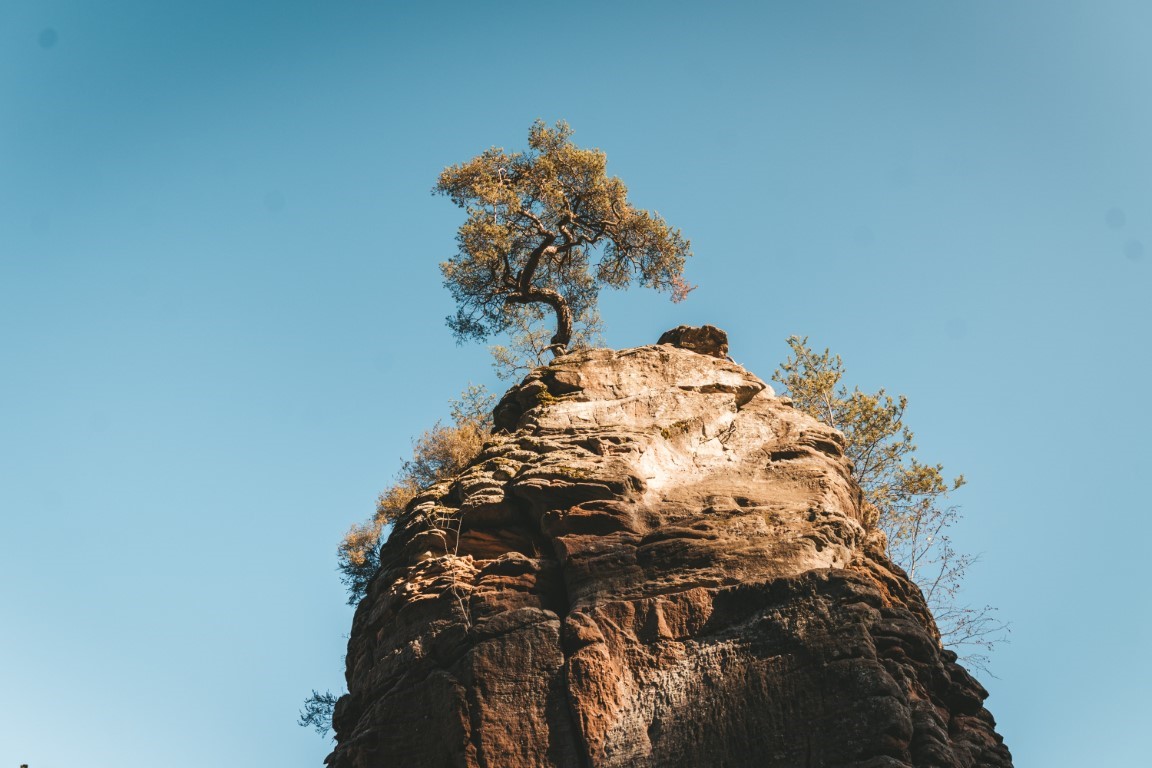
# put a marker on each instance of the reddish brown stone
(659, 564)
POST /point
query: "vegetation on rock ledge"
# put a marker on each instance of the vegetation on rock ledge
(905, 498)
(437, 455)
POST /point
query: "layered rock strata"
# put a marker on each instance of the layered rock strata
(654, 563)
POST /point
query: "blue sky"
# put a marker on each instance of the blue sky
(221, 318)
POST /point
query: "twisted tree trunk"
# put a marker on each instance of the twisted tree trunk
(559, 305)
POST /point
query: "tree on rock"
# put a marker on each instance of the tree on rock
(548, 228)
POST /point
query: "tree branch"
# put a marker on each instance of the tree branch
(529, 270)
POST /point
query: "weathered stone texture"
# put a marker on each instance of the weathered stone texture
(707, 339)
(657, 563)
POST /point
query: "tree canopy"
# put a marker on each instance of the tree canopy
(548, 227)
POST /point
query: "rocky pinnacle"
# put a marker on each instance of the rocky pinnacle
(654, 562)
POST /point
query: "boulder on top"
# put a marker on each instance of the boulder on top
(706, 340)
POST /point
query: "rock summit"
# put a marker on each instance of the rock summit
(654, 562)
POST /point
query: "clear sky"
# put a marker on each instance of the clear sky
(221, 320)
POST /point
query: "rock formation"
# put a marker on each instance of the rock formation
(655, 562)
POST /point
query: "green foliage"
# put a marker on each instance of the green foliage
(905, 498)
(548, 227)
(438, 454)
(317, 712)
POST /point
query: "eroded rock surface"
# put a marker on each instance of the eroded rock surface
(707, 339)
(656, 563)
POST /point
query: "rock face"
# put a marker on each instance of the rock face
(655, 563)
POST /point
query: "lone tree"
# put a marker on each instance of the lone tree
(549, 227)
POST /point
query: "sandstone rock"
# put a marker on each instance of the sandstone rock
(655, 563)
(707, 339)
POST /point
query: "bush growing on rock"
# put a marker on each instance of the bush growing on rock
(905, 498)
(438, 454)
(317, 711)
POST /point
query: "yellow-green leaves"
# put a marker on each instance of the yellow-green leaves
(549, 227)
(438, 454)
(903, 497)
